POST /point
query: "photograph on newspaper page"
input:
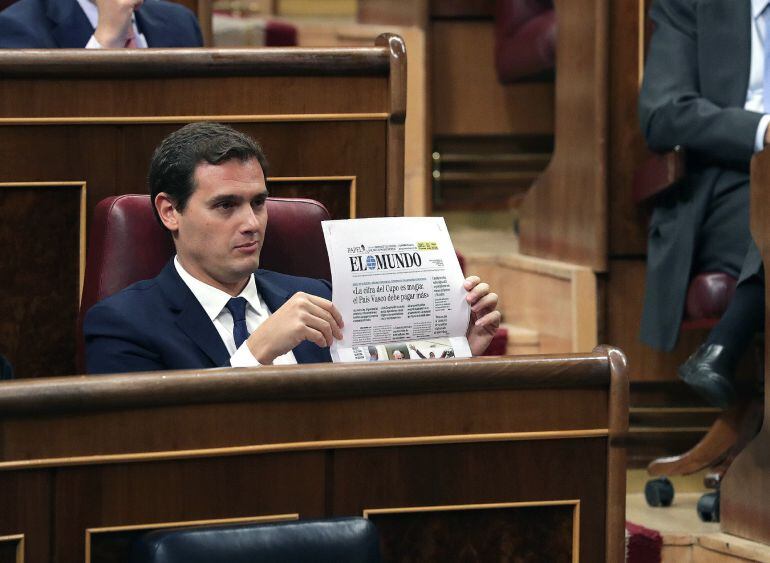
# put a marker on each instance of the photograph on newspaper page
(398, 285)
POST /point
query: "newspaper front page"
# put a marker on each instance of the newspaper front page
(399, 288)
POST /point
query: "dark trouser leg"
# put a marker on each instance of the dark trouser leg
(710, 370)
(744, 317)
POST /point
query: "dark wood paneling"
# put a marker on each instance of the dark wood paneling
(270, 422)
(500, 534)
(167, 492)
(329, 192)
(481, 473)
(192, 96)
(462, 8)
(425, 433)
(40, 273)
(8, 552)
(156, 63)
(25, 498)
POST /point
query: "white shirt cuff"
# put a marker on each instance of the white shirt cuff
(243, 358)
(93, 44)
(759, 138)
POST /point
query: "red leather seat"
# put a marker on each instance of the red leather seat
(280, 34)
(525, 38)
(708, 295)
(127, 244)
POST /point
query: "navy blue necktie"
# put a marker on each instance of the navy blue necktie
(237, 308)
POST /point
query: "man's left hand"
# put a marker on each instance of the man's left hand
(485, 318)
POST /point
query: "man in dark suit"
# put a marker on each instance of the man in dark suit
(703, 91)
(51, 24)
(211, 306)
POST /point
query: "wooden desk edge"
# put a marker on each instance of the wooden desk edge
(88, 393)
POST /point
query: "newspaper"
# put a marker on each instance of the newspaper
(399, 288)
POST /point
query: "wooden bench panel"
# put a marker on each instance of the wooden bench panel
(453, 438)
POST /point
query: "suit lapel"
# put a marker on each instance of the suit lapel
(191, 318)
(725, 55)
(151, 28)
(71, 26)
(275, 296)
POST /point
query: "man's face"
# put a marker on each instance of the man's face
(220, 233)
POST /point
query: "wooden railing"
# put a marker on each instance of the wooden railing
(426, 449)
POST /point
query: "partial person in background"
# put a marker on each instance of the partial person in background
(6, 370)
(97, 24)
(704, 90)
(525, 39)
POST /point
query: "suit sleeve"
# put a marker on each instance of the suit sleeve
(186, 22)
(113, 345)
(14, 34)
(672, 110)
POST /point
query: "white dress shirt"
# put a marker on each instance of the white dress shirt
(755, 100)
(92, 13)
(213, 301)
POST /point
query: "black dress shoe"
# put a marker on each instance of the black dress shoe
(709, 372)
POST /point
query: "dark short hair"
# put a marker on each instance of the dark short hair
(173, 164)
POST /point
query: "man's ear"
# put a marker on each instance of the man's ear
(167, 212)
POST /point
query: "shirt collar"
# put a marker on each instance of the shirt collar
(757, 7)
(213, 300)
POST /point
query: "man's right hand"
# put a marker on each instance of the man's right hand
(114, 22)
(302, 317)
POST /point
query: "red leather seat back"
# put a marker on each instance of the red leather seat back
(126, 245)
(280, 34)
(708, 296)
(294, 241)
(525, 38)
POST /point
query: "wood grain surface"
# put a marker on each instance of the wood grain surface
(318, 441)
(564, 215)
